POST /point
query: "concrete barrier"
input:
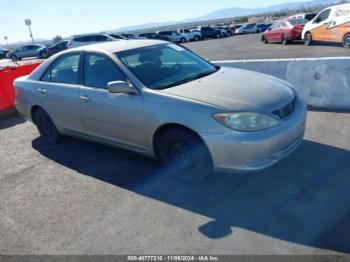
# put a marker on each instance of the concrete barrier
(321, 82)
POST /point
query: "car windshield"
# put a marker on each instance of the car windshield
(165, 66)
(298, 21)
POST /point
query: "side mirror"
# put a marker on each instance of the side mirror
(120, 87)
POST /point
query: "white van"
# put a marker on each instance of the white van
(332, 24)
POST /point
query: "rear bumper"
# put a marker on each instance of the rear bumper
(251, 152)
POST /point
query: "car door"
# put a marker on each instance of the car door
(274, 32)
(58, 92)
(109, 116)
(320, 26)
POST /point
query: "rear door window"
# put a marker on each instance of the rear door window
(64, 70)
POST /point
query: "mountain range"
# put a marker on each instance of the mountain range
(237, 12)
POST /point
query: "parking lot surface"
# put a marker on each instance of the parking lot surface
(249, 47)
(84, 198)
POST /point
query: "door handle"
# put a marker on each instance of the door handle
(86, 98)
(41, 90)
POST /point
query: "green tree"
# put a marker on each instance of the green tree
(57, 38)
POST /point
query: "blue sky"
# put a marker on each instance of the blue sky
(67, 17)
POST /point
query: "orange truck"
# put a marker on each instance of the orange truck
(332, 24)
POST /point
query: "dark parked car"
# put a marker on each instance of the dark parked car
(284, 31)
(3, 53)
(48, 51)
(261, 28)
(153, 36)
(209, 32)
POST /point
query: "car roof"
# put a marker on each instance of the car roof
(120, 45)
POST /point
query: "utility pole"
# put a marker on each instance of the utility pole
(28, 23)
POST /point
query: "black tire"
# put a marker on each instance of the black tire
(183, 40)
(285, 40)
(263, 40)
(14, 58)
(196, 38)
(185, 154)
(2, 56)
(258, 31)
(43, 54)
(308, 39)
(46, 127)
(218, 36)
(346, 41)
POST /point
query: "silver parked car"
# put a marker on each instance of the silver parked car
(161, 100)
(24, 52)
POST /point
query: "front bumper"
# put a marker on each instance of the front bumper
(251, 152)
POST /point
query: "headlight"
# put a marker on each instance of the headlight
(247, 122)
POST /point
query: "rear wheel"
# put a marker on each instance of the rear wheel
(183, 40)
(43, 54)
(285, 40)
(308, 39)
(14, 58)
(185, 154)
(346, 41)
(196, 38)
(46, 127)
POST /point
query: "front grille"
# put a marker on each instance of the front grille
(285, 111)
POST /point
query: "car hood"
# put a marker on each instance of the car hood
(237, 90)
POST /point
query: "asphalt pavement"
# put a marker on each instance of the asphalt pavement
(83, 198)
(244, 47)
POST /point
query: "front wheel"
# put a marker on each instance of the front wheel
(308, 39)
(46, 127)
(346, 41)
(182, 40)
(185, 154)
(263, 40)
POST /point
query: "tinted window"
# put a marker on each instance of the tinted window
(323, 15)
(283, 25)
(64, 70)
(101, 38)
(100, 70)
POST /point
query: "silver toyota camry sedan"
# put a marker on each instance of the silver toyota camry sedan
(161, 100)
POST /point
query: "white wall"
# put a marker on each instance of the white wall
(321, 82)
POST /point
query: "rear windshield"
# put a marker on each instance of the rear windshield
(298, 21)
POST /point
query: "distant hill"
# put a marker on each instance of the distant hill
(236, 12)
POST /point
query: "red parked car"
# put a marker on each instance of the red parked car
(284, 31)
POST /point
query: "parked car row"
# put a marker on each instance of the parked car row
(330, 25)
